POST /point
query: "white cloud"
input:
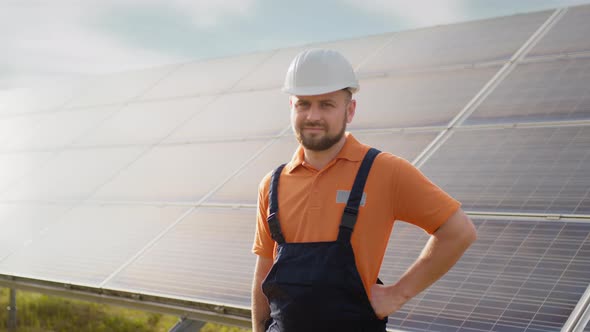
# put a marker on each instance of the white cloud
(205, 13)
(43, 38)
(416, 13)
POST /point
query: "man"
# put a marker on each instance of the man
(324, 219)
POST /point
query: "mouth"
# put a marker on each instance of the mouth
(313, 128)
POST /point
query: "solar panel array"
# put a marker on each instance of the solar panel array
(145, 182)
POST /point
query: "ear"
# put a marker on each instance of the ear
(350, 110)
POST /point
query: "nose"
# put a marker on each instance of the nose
(313, 114)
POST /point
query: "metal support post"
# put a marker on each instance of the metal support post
(12, 311)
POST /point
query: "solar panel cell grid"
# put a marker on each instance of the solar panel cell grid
(499, 285)
(204, 77)
(535, 92)
(569, 35)
(117, 88)
(466, 43)
(538, 170)
(51, 130)
(21, 223)
(238, 115)
(144, 122)
(89, 243)
(205, 258)
(71, 174)
(418, 99)
(178, 173)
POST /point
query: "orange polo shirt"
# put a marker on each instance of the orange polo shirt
(310, 205)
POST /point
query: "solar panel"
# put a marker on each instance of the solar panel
(117, 88)
(57, 129)
(144, 122)
(243, 188)
(538, 170)
(465, 43)
(407, 145)
(520, 275)
(569, 35)
(20, 223)
(417, 99)
(205, 77)
(38, 98)
(545, 91)
(89, 243)
(238, 115)
(71, 175)
(178, 173)
(205, 258)
(15, 165)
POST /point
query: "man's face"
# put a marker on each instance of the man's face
(320, 121)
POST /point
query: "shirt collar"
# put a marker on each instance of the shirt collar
(352, 150)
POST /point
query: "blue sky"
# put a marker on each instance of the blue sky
(43, 40)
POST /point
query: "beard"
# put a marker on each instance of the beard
(319, 143)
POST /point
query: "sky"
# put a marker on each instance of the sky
(44, 40)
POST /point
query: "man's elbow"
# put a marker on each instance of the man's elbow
(459, 229)
(469, 234)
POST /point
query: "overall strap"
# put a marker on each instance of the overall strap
(273, 197)
(354, 199)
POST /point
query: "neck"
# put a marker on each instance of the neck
(319, 159)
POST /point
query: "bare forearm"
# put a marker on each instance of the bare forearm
(260, 311)
(260, 308)
(435, 260)
(442, 251)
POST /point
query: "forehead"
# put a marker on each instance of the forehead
(332, 96)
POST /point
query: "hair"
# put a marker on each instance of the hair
(348, 95)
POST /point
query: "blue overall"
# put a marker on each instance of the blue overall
(315, 286)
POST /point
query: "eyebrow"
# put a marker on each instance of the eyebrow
(328, 100)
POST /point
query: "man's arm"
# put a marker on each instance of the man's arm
(260, 308)
(444, 248)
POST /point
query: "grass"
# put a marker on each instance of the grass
(43, 313)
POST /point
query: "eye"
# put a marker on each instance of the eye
(301, 105)
(326, 104)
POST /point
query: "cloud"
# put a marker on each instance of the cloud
(45, 38)
(415, 13)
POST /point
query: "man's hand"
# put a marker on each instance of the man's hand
(384, 301)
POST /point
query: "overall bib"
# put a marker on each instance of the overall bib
(315, 286)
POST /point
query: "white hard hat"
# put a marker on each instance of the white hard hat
(319, 71)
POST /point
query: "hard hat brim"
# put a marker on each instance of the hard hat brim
(319, 90)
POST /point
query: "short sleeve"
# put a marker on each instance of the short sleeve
(263, 243)
(419, 201)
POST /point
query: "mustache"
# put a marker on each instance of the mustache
(313, 124)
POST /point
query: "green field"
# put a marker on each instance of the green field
(42, 313)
